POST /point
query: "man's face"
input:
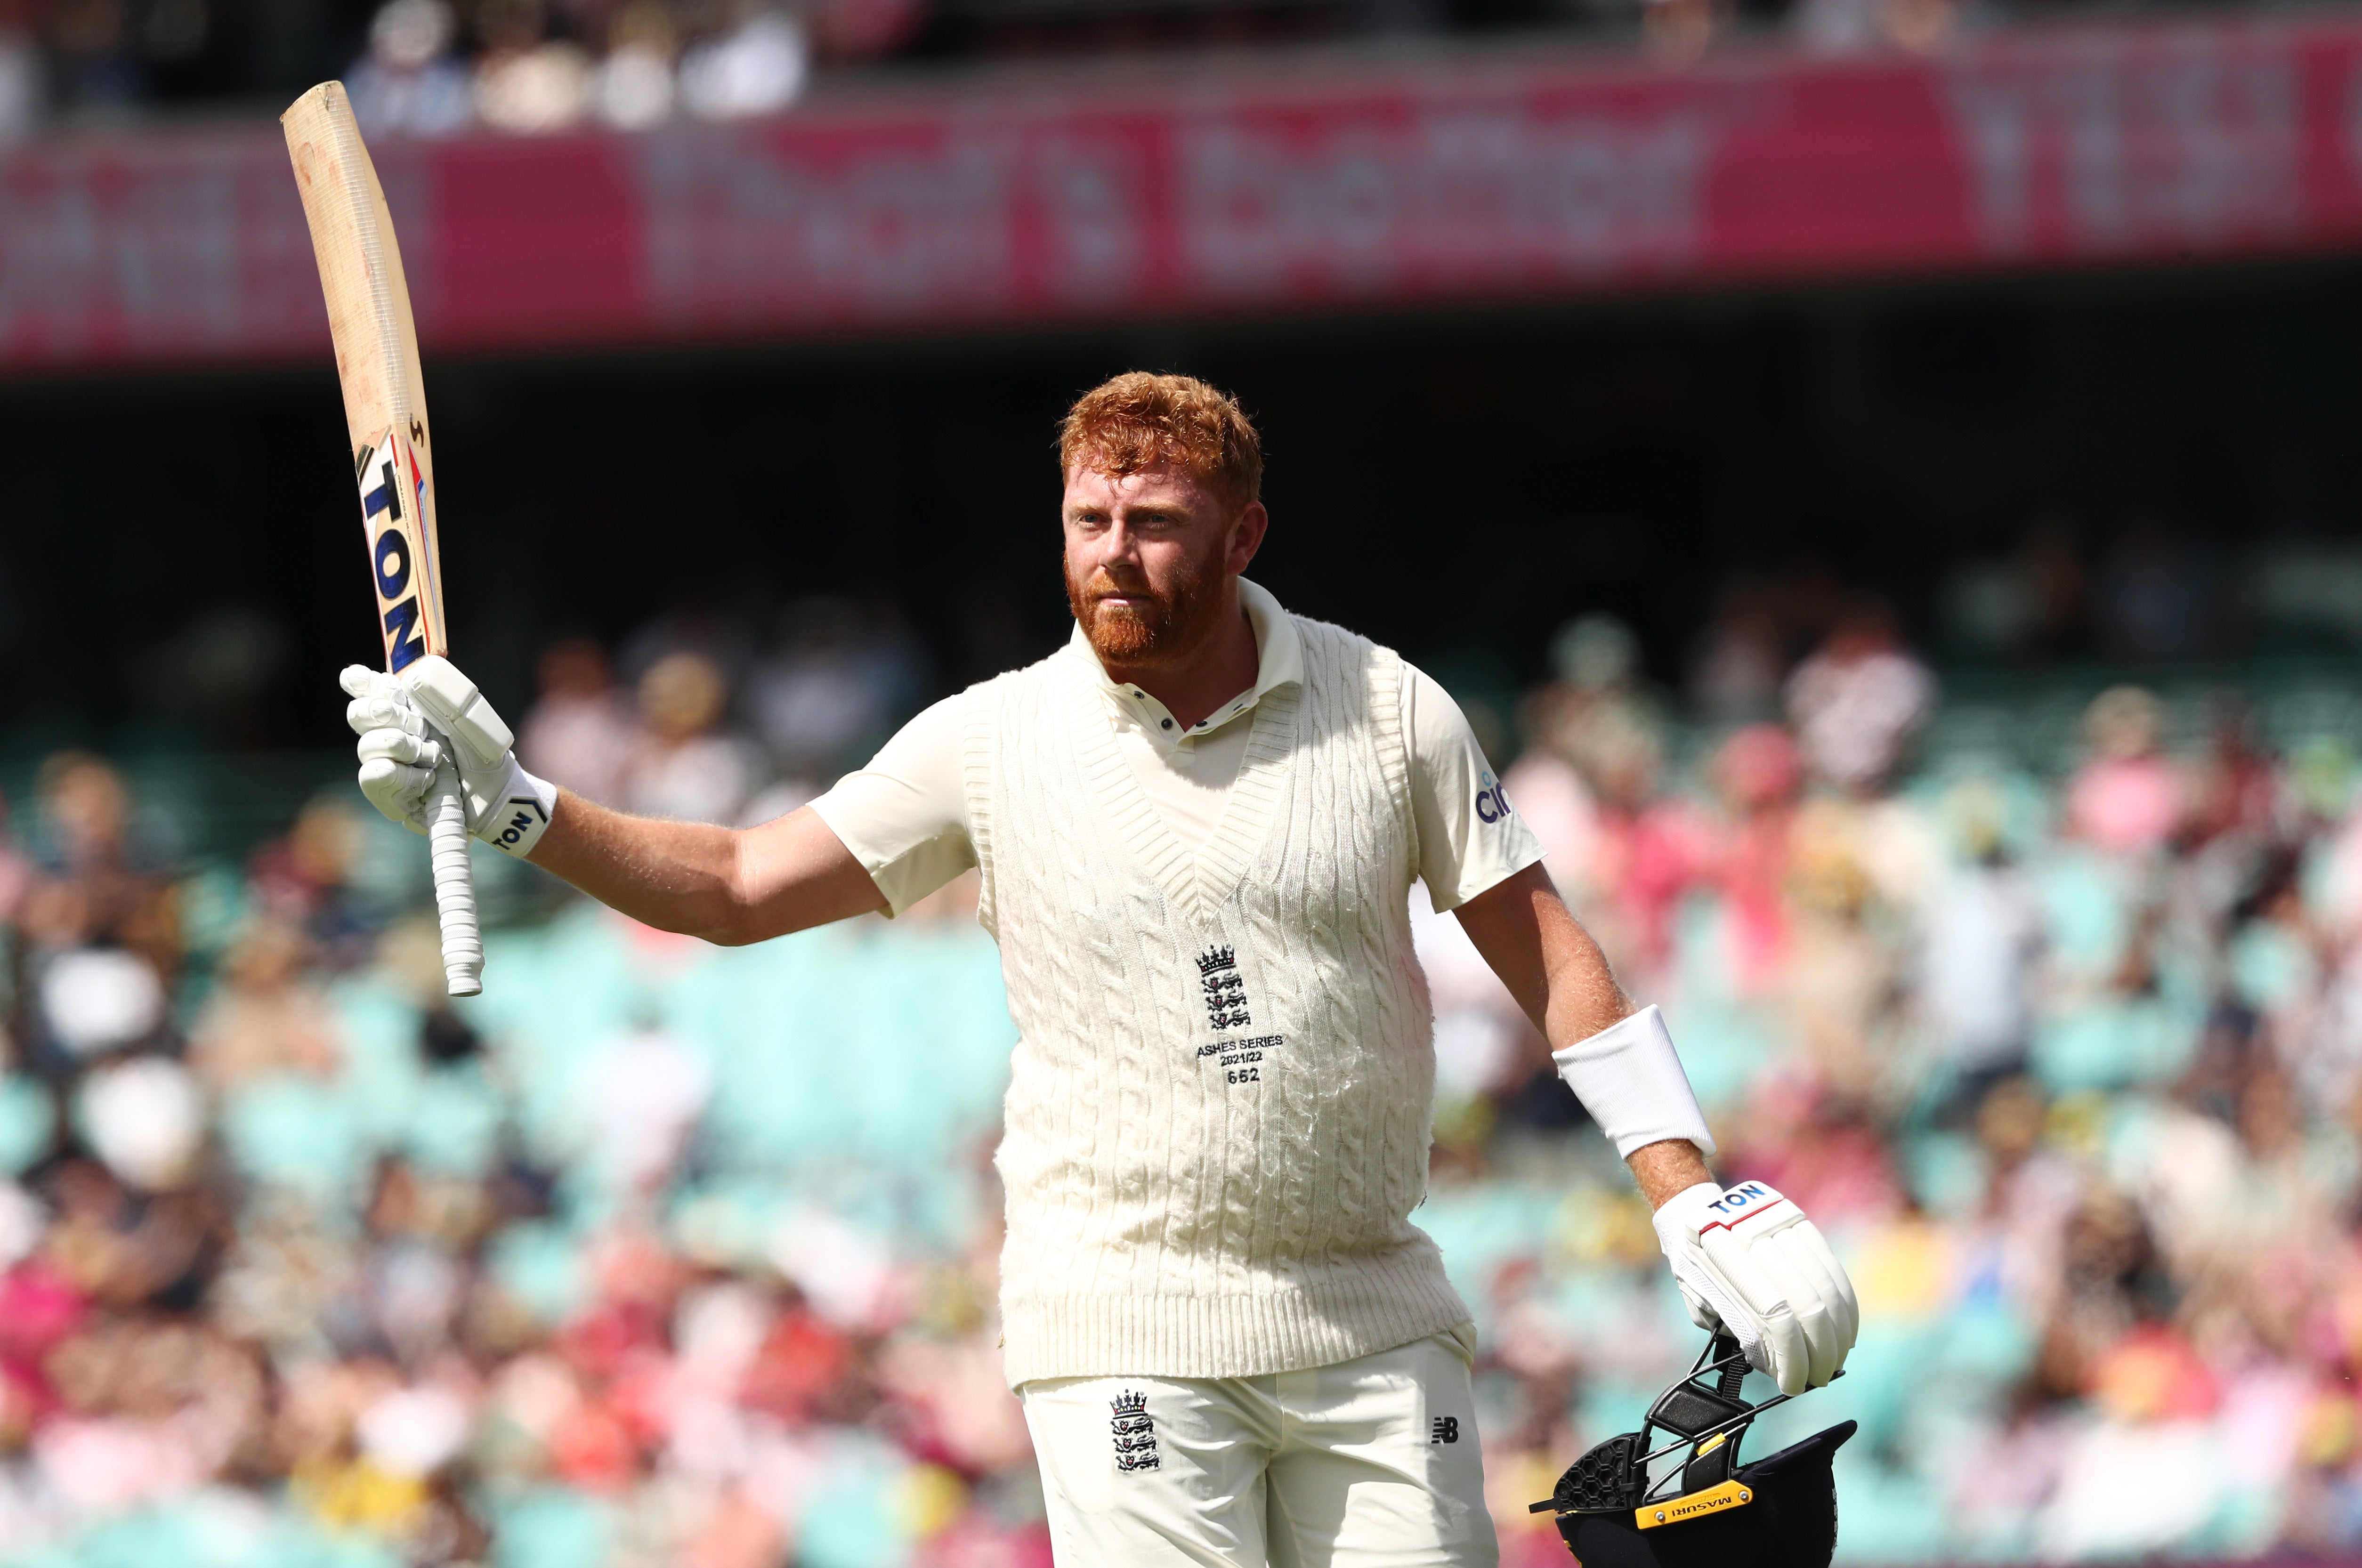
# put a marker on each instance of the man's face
(1147, 557)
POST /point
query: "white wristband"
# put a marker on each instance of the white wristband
(1629, 1078)
(519, 819)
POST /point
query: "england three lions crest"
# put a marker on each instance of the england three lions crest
(1135, 1431)
(1222, 989)
(1229, 1013)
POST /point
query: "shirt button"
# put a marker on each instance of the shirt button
(1168, 724)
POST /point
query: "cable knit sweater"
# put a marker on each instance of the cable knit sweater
(1217, 1122)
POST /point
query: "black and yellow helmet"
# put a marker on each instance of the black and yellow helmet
(1706, 1510)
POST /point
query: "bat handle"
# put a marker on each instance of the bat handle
(455, 887)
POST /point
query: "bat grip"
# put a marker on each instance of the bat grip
(455, 887)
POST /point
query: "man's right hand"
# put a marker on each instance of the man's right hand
(726, 886)
(430, 717)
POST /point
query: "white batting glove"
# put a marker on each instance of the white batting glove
(1749, 1261)
(430, 717)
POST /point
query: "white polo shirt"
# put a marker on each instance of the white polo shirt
(904, 816)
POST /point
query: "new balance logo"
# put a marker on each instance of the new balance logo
(1446, 1430)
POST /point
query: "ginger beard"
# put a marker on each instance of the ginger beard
(1177, 620)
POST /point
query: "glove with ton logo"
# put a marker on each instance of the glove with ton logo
(430, 717)
(1747, 1260)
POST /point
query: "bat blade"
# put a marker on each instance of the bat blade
(376, 364)
(393, 462)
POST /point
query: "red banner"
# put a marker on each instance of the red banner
(1514, 177)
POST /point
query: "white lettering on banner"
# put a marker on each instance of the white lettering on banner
(2189, 137)
(1482, 192)
(1093, 231)
(169, 247)
(739, 221)
(735, 221)
(48, 262)
(1530, 176)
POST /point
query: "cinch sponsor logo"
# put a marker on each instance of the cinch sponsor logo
(1491, 805)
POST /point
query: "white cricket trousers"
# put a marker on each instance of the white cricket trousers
(1369, 1463)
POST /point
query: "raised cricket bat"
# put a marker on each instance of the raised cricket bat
(394, 456)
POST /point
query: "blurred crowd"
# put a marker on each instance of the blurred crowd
(438, 68)
(688, 720)
(524, 79)
(661, 1253)
(517, 66)
(2068, 1063)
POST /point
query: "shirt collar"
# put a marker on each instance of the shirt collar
(1280, 656)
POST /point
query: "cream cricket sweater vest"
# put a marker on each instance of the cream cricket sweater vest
(1219, 1114)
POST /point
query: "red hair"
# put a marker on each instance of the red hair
(1138, 419)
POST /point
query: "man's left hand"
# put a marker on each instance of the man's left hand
(1747, 1260)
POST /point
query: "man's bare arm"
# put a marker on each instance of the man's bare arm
(1552, 969)
(728, 886)
(1665, 1168)
(1558, 974)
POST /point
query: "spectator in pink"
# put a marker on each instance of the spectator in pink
(1757, 774)
(2127, 797)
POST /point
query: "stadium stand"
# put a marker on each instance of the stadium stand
(2041, 995)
